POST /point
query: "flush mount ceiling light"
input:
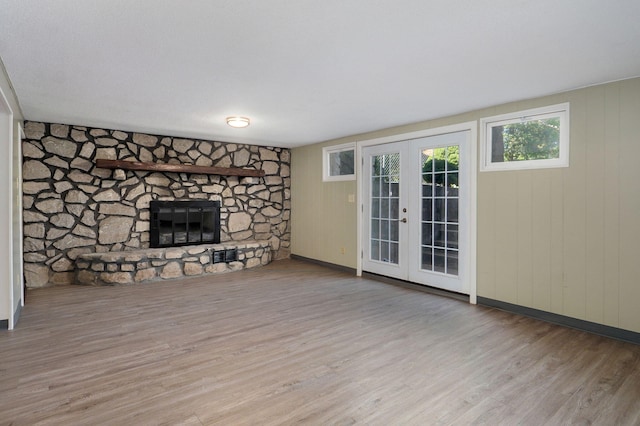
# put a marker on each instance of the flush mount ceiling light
(237, 121)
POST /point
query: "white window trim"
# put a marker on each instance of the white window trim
(327, 151)
(486, 124)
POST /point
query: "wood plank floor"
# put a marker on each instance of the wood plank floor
(297, 343)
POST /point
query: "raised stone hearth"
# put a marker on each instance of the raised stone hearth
(138, 266)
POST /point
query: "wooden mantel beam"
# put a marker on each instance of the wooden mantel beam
(177, 168)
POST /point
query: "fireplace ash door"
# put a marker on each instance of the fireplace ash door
(180, 223)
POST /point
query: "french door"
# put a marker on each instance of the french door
(416, 210)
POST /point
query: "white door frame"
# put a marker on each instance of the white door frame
(7, 297)
(472, 127)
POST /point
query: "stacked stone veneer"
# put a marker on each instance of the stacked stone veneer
(73, 208)
(139, 266)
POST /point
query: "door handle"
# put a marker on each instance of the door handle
(403, 220)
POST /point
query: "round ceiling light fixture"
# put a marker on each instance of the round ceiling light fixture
(237, 121)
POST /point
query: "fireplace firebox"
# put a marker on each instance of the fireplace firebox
(181, 223)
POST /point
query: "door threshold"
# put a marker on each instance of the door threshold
(415, 286)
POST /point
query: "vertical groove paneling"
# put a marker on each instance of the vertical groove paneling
(595, 189)
(541, 242)
(337, 195)
(323, 221)
(486, 259)
(506, 237)
(557, 240)
(304, 185)
(524, 247)
(574, 222)
(580, 237)
(611, 289)
(325, 237)
(629, 205)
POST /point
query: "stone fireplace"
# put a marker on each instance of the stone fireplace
(73, 208)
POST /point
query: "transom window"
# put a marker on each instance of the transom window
(531, 139)
(339, 162)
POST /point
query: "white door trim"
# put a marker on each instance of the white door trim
(7, 278)
(472, 127)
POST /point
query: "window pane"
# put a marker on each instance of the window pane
(427, 262)
(440, 178)
(452, 180)
(438, 214)
(375, 228)
(391, 165)
(530, 140)
(395, 208)
(334, 164)
(393, 254)
(394, 230)
(394, 189)
(452, 210)
(375, 250)
(438, 260)
(452, 236)
(453, 158)
(375, 207)
(347, 162)
(375, 187)
(384, 229)
(384, 187)
(384, 251)
(440, 153)
(341, 163)
(452, 262)
(438, 235)
(376, 167)
(426, 209)
(384, 208)
(427, 238)
(427, 190)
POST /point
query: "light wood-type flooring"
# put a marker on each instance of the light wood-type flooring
(298, 343)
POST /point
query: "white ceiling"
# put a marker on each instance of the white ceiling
(304, 71)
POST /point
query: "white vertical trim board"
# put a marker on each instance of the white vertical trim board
(6, 205)
(18, 237)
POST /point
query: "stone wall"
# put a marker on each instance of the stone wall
(72, 207)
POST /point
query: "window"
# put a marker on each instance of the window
(532, 139)
(339, 162)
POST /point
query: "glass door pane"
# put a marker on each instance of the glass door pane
(384, 208)
(439, 209)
